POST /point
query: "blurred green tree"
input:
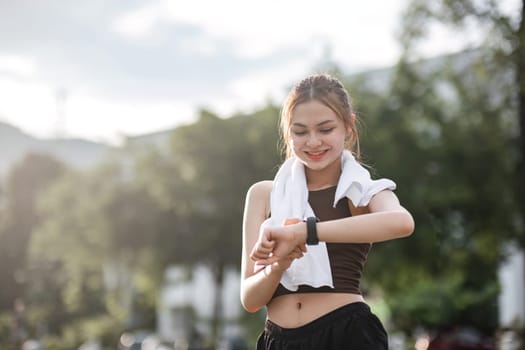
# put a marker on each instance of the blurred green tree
(503, 55)
(446, 132)
(203, 179)
(93, 255)
(25, 182)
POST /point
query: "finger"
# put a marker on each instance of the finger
(296, 254)
(268, 261)
(291, 221)
(266, 234)
(258, 266)
(261, 247)
(267, 244)
(257, 255)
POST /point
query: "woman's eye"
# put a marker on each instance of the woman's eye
(299, 133)
(327, 131)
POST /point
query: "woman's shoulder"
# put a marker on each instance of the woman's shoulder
(261, 189)
(258, 197)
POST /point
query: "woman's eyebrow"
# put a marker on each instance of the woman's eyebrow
(318, 124)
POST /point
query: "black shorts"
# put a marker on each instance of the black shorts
(352, 326)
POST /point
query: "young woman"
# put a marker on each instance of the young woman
(307, 233)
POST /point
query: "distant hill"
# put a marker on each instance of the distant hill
(15, 144)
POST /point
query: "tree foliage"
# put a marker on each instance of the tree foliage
(446, 132)
(88, 248)
(203, 179)
(88, 256)
(26, 181)
(24, 184)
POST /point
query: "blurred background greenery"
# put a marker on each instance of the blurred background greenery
(84, 252)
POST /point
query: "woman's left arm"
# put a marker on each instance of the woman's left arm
(386, 219)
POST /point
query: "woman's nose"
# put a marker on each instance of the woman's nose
(313, 140)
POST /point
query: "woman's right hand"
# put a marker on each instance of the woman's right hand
(282, 264)
(262, 252)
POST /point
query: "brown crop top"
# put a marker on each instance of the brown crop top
(347, 260)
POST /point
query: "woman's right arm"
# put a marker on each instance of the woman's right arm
(258, 287)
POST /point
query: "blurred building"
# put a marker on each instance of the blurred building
(512, 297)
(187, 302)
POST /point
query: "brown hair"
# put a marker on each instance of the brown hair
(329, 91)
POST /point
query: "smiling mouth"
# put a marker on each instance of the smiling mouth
(316, 155)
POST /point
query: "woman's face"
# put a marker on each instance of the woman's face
(317, 135)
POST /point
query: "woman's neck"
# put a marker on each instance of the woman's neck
(324, 178)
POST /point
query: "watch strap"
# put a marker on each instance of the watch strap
(311, 230)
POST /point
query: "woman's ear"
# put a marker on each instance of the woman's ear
(350, 126)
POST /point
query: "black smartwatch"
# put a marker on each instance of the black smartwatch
(311, 230)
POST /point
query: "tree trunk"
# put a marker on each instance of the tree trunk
(218, 272)
(520, 76)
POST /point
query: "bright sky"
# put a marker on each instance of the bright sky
(102, 69)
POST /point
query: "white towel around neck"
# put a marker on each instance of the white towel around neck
(289, 199)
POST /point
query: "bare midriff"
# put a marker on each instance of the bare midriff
(296, 310)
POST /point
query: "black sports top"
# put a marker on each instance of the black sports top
(347, 260)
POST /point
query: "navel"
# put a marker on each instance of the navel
(299, 305)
